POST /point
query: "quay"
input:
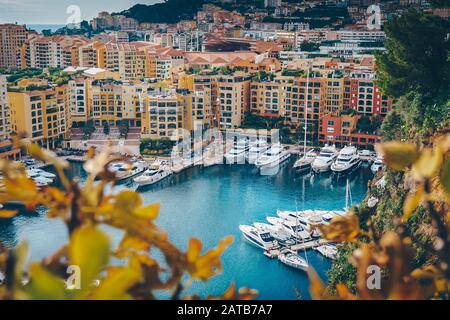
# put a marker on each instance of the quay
(274, 253)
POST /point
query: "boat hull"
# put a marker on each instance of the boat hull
(346, 170)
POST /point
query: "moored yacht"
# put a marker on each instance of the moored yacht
(152, 175)
(328, 251)
(293, 228)
(238, 153)
(263, 240)
(377, 165)
(43, 173)
(276, 231)
(326, 157)
(257, 149)
(126, 171)
(293, 260)
(347, 161)
(273, 157)
(303, 164)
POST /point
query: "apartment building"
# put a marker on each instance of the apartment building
(201, 108)
(12, 37)
(233, 94)
(267, 98)
(54, 51)
(342, 130)
(41, 114)
(6, 148)
(112, 102)
(163, 114)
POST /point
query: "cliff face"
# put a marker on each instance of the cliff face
(386, 216)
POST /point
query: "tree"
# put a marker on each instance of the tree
(106, 128)
(88, 128)
(123, 128)
(416, 59)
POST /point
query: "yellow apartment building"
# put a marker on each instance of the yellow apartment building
(267, 98)
(163, 114)
(233, 99)
(41, 114)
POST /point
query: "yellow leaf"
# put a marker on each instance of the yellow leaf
(8, 213)
(89, 249)
(194, 249)
(342, 228)
(206, 266)
(46, 156)
(412, 202)
(428, 163)
(316, 287)
(128, 201)
(445, 176)
(398, 156)
(148, 212)
(117, 282)
(44, 285)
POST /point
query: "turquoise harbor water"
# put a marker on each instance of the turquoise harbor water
(211, 203)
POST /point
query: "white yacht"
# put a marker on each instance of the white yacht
(257, 149)
(38, 179)
(43, 173)
(377, 165)
(325, 158)
(293, 228)
(153, 175)
(303, 164)
(273, 157)
(238, 153)
(328, 251)
(347, 161)
(293, 260)
(126, 171)
(263, 240)
(276, 231)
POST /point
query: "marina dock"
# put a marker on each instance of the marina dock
(297, 247)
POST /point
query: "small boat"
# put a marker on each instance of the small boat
(293, 260)
(126, 171)
(276, 231)
(327, 251)
(263, 240)
(323, 161)
(303, 164)
(293, 228)
(347, 161)
(273, 157)
(257, 149)
(42, 173)
(238, 153)
(152, 176)
(377, 165)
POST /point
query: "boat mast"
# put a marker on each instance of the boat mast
(346, 195)
(306, 111)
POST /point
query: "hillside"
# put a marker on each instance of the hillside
(170, 11)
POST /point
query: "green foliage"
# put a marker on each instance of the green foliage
(156, 146)
(309, 46)
(293, 73)
(342, 270)
(253, 121)
(170, 11)
(106, 128)
(416, 59)
(24, 73)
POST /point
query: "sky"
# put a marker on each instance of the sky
(54, 11)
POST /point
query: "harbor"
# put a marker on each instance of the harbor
(210, 203)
